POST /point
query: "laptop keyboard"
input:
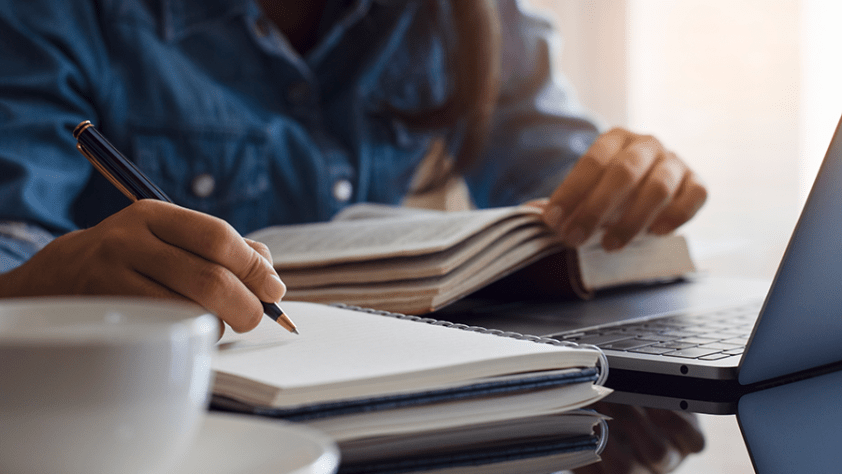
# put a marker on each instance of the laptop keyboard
(710, 335)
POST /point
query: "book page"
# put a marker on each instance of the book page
(370, 210)
(418, 296)
(343, 353)
(364, 239)
(646, 258)
(500, 238)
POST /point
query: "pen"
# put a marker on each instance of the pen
(123, 174)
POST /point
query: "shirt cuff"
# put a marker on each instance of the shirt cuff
(19, 242)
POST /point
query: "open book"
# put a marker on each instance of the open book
(415, 261)
(376, 380)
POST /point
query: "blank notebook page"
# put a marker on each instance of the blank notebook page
(339, 348)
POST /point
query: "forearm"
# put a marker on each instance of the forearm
(538, 130)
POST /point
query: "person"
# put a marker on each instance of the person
(254, 113)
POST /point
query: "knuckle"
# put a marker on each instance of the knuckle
(143, 205)
(646, 148)
(146, 208)
(211, 280)
(624, 172)
(647, 141)
(115, 244)
(215, 236)
(263, 250)
(260, 247)
(659, 191)
(590, 163)
(255, 269)
(669, 173)
(617, 131)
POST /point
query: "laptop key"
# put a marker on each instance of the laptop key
(718, 356)
(651, 350)
(740, 341)
(627, 344)
(681, 333)
(697, 340)
(719, 336)
(676, 345)
(721, 346)
(598, 339)
(691, 353)
(658, 337)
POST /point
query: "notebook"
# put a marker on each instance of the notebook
(537, 445)
(367, 377)
(706, 360)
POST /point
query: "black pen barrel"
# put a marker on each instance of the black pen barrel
(116, 164)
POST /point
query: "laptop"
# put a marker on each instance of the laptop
(703, 344)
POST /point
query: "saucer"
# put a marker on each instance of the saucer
(241, 444)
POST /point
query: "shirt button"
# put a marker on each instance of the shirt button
(342, 190)
(299, 92)
(203, 185)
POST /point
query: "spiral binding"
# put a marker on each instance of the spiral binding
(603, 436)
(602, 363)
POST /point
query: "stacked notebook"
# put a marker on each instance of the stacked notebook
(404, 394)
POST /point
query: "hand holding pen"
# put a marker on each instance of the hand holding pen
(155, 248)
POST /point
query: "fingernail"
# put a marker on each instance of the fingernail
(575, 237)
(275, 287)
(552, 216)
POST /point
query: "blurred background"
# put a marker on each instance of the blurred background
(747, 92)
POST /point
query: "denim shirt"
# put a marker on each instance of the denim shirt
(210, 100)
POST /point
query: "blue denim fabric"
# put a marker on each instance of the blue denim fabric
(192, 89)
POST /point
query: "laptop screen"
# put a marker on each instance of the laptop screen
(801, 322)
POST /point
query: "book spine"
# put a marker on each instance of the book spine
(602, 364)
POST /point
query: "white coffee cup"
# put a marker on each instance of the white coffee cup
(101, 384)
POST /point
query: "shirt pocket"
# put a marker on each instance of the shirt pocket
(219, 171)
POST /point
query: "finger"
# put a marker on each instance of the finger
(539, 204)
(585, 174)
(216, 241)
(621, 176)
(689, 198)
(264, 252)
(207, 283)
(682, 429)
(654, 193)
(260, 248)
